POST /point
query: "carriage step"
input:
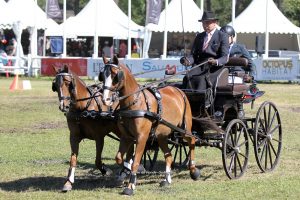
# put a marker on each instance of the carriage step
(212, 136)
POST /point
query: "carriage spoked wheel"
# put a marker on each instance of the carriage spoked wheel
(180, 152)
(235, 149)
(149, 157)
(267, 137)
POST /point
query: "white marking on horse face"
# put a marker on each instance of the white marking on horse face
(106, 93)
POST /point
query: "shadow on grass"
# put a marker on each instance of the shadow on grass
(93, 179)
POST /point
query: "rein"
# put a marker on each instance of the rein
(161, 80)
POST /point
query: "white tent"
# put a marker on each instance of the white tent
(22, 14)
(104, 18)
(263, 16)
(180, 16)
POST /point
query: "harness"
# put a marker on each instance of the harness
(155, 117)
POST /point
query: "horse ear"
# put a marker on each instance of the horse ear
(115, 60)
(56, 69)
(105, 60)
(66, 68)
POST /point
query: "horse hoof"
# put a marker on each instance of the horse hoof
(105, 171)
(195, 174)
(128, 191)
(67, 188)
(108, 172)
(164, 183)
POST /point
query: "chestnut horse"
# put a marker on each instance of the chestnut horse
(147, 113)
(87, 117)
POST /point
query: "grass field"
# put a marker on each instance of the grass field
(35, 150)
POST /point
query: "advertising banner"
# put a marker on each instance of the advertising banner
(276, 68)
(147, 68)
(77, 65)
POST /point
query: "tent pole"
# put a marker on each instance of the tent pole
(266, 55)
(95, 54)
(129, 38)
(64, 27)
(165, 31)
(233, 12)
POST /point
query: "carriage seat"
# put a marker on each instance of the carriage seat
(231, 82)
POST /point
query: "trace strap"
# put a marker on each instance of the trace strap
(161, 80)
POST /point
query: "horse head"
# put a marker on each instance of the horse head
(64, 85)
(113, 79)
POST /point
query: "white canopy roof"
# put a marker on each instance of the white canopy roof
(190, 14)
(253, 19)
(106, 17)
(27, 12)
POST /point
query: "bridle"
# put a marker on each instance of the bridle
(118, 78)
(56, 86)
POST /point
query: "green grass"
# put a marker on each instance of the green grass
(35, 151)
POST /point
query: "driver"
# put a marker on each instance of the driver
(211, 45)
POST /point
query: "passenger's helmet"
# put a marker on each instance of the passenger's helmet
(229, 30)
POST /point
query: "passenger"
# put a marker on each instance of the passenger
(212, 46)
(239, 50)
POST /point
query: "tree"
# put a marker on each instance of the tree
(291, 10)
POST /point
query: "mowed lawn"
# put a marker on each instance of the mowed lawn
(35, 151)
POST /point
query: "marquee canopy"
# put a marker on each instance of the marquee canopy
(253, 19)
(179, 11)
(103, 17)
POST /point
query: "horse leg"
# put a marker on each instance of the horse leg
(163, 144)
(98, 162)
(140, 147)
(127, 147)
(194, 171)
(74, 142)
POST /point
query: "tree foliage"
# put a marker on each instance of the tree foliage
(222, 8)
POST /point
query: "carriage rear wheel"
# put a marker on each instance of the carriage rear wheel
(267, 137)
(235, 151)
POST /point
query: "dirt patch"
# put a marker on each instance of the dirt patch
(50, 125)
(295, 109)
(36, 128)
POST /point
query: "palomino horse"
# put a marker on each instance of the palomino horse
(147, 113)
(87, 117)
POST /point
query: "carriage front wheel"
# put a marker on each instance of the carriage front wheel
(235, 149)
(267, 136)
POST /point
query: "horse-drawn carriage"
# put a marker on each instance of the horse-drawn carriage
(165, 116)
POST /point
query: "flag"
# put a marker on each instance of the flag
(52, 9)
(153, 11)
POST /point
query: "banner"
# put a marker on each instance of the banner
(153, 11)
(52, 9)
(76, 65)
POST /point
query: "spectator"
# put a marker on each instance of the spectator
(106, 50)
(122, 50)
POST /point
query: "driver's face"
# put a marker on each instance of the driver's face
(209, 25)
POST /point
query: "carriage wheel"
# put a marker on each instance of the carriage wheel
(149, 157)
(268, 136)
(180, 153)
(235, 151)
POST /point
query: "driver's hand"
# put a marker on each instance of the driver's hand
(184, 61)
(212, 61)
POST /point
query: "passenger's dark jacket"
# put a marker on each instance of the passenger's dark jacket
(239, 50)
